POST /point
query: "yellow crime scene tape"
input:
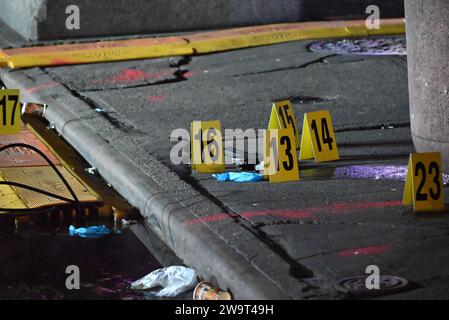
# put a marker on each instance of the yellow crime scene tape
(94, 52)
(239, 38)
(200, 43)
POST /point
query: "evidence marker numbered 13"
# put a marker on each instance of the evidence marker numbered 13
(207, 147)
(280, 157)
(282, 117)
(10, 111)
(424, 184)
(318, 138)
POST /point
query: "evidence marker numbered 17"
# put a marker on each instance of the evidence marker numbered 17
(10, 111)
(318, 138)
(207, 147)
(424, 184)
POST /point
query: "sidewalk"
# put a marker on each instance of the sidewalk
(290, 240)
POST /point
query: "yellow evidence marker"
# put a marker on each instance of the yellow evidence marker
(282, 117)
(280, 157)
(207, 153)
(424, 184)
(318, 138)
(10, 112)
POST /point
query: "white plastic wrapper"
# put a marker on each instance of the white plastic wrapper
(260, 166)
(175, 280)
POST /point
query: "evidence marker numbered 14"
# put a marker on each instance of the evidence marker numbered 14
(283, 117)
(280, 157)
(206, 140)
(318, 138)
(10, 111)
(424, 184)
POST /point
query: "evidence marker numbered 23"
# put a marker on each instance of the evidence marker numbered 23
(424, 184)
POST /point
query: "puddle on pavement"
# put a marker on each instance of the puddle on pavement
(34, 256)
(393, 45)
(377, 172)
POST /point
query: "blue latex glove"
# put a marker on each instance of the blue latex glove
(93, 232)
(239, 177)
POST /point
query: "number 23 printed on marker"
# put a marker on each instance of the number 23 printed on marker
(424, 185)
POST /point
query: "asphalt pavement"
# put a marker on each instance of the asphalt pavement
(259, 240)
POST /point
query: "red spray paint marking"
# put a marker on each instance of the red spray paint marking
(364, 251)
(299, 214)
(41, 87)
(132, 75)
(188, 74)
(60, 62)
(292, 214)
(154, 99)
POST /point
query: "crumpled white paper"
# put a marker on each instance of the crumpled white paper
(175, 280)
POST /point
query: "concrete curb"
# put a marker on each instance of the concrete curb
(197, 245)
(192, 44)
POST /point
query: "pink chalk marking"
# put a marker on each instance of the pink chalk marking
(349, 206)
(299, 214)
(42, 87)
(364, 251)
(132, 75)
(154, 99)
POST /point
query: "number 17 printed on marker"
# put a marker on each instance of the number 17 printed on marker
(10, 112)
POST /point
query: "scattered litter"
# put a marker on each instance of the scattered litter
(92, 170)
(36, 109)
(126, 223)
(51, 126)
(100, 110)
(239, 176)
(175, 280)
(238, 161)
(93, 232)
(206, 291)
(260, 166)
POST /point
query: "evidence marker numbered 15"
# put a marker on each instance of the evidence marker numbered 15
(424, 184)
(10, 111)
(280, 157)
(318, 138)
(207, 154)
(282, 117)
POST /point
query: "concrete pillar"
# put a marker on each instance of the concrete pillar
(428, 69)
